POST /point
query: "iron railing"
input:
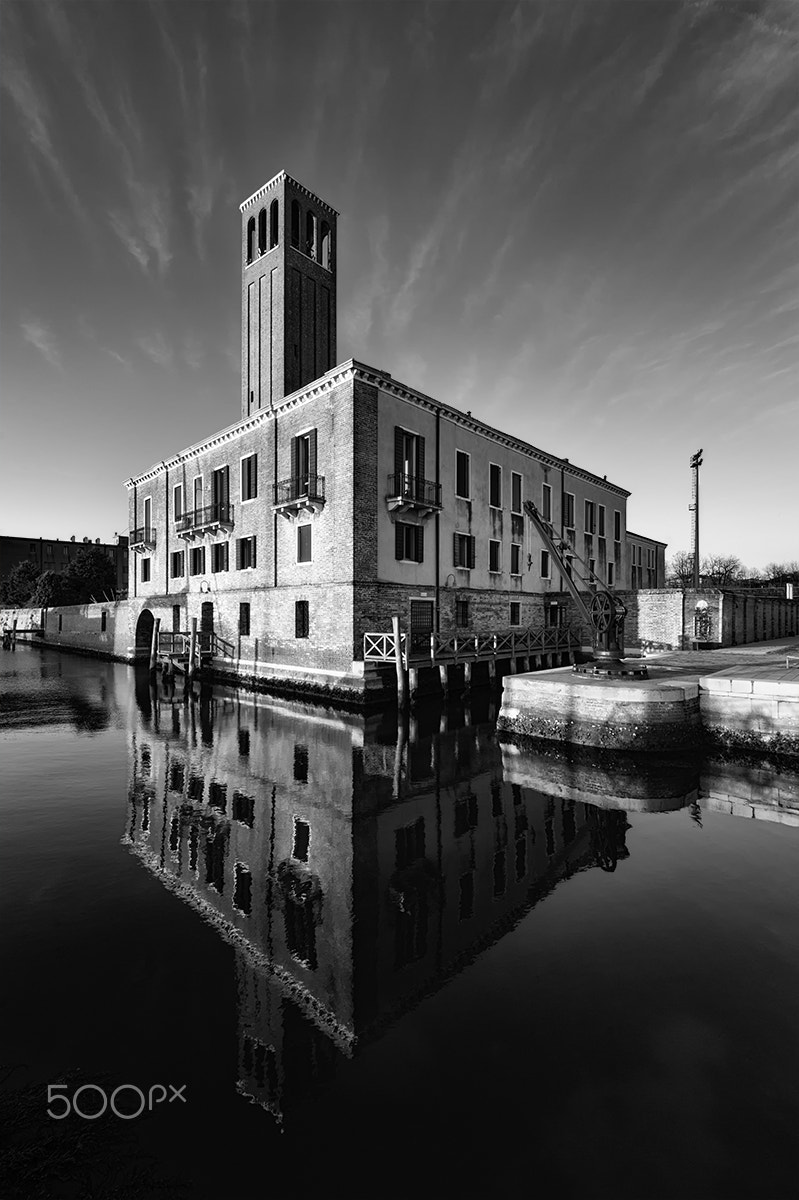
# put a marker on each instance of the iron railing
(466, 646)
(415, 490)
(300, 487)
(220, 513)
(143, 536)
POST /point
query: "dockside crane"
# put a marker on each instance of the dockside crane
(603, 611)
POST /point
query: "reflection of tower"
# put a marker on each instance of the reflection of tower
(288, 292)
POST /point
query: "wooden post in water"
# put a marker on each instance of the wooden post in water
(193, 649)
(402, 689)
(413, 683)
(442, 671)
(154, 644)
(14, 634)
(467, 677)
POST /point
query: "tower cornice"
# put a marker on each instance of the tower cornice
(283, 177)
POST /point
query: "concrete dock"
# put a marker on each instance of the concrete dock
(745, 697)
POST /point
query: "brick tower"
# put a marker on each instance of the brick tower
(288, 291)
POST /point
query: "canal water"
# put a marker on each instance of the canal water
(361, 958)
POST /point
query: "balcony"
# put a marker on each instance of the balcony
(411, 493)
(211, 519)
(304, 493)
(142, 540)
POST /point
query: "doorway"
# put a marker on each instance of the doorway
(206, 625)
(421, 624)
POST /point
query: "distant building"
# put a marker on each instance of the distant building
(51, 554)
(647, 560)
(342, 497)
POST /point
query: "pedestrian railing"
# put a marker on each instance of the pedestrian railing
(452, 647)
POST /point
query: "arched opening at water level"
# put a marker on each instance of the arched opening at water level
(144, 633)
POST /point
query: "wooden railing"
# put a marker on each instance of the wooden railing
(179, 643)
(466, 646)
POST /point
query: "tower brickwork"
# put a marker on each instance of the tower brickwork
(288, 292)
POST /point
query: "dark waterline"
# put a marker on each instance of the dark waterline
(384, 962)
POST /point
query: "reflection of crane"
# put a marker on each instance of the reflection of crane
(604, 611)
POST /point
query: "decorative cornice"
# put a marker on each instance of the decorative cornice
(352, 369)
(282, 177)
(383, 380)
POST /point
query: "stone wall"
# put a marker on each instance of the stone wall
(103, 629)
(676, 619)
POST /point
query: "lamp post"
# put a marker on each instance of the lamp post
(696, 463)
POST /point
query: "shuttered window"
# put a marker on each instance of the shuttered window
(409, 542)
(463, 550)
(249, 477)
(303, 462)
(409, 460)
(301, 619)
(462, 475)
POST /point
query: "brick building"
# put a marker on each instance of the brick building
(51, 554)
(342, 497)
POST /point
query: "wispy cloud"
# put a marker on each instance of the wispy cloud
(38, 335)
(157, 349)
(193, 351)
(35, 120)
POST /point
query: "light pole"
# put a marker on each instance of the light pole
(696, 463)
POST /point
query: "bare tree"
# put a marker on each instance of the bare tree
(681, 569)
(782, 572)
(721, 570)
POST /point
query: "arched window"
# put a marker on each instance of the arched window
(273, 226)
(310, 235)
(262, 231)
(326, 257)
(250, 239)
(295, 224)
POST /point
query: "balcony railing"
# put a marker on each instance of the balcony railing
(142, 538)
(298, 493)
(411, 491)
(203, 520)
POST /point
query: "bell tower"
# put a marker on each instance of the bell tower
(288, 292)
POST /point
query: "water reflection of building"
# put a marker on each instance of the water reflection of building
(354, 873)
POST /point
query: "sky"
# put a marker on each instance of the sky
(577, 221)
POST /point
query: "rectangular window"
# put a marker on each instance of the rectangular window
(304, 543)
(177, 564)
(177, 501)
(197, 560)
(546, 501)
(568, 510)
(601, 530)
(611, 573)
(145, 570)
(494, 556)
(198, 493)
(148, 516)
(590, 516)
(462, 475)
(60, 622)
(616, 526)
(515, 612)
(249, 477)
(245, 553)
(515, 492)
(409, 463)
(300, 762)
(243, 809)
(103, 622)
(409, 844)
(220, 556)
(244, 620)
(515, 558)
(545, 574)
(462, 613)
(592, 566)
(302, 840)
(301, 619)
(494, 485)
(242, 889)
(408, 542)
(176, 618)
(463, 551)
